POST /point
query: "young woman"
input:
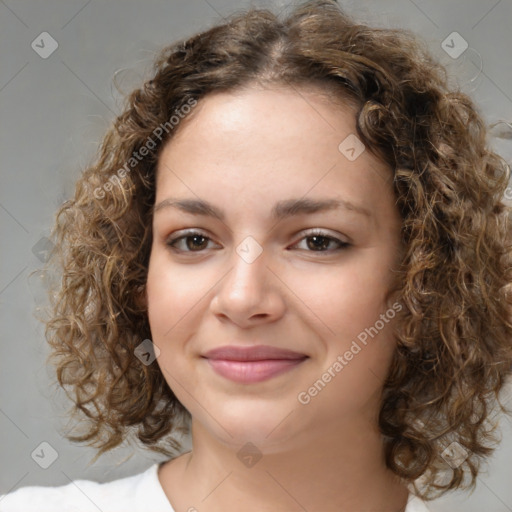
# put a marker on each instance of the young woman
(292, 246)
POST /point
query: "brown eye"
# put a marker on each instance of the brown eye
(318, 241)
(194, 241)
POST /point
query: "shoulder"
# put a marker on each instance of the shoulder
(135, 493)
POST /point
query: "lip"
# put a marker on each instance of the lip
(252, 364)
(254, 353)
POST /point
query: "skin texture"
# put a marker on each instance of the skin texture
(243, 151)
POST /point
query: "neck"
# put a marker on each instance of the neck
(340, 468)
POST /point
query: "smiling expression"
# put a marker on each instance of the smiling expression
(265, 233)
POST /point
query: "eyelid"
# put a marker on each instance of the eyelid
(186, 233)
(343, 244)
(326, 233)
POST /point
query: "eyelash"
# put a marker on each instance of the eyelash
(314, 233)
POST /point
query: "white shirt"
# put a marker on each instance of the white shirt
(138, 493)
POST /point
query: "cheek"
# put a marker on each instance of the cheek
(346, 299)
(172, 293)
(170, 299)
(358, 349)
(355, 321)
(171, 302)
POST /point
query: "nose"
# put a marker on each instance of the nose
(250, 293)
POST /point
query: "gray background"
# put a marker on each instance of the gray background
(54, 112)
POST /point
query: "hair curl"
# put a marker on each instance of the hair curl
(454, 346)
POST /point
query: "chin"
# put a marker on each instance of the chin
(266, 427)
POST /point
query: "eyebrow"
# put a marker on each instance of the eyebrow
(281, 210)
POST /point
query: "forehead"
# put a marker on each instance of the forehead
(267, 142)
(301, 111)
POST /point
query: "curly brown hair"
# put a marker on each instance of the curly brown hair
(454, 338)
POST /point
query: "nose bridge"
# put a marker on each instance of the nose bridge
(246, 292)
(248, 260)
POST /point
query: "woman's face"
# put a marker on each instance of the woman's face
(250, 258)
